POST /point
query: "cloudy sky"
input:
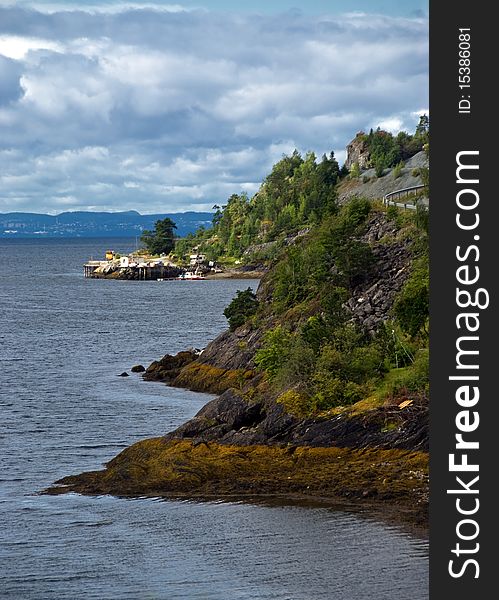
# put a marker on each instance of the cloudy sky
(157, 107)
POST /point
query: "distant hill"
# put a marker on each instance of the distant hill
(95, 224)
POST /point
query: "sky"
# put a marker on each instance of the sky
(159, 107)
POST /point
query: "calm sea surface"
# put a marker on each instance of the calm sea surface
(63, 342)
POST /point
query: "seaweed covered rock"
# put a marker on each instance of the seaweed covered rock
(169, 366)
(173, 468)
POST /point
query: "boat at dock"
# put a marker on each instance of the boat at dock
(190, 275)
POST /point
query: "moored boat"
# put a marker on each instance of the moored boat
(189, 275)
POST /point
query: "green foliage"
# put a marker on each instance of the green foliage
(392, 212)
(412, 379)
(424, 173)
(327, 361)
(332, 256)
(318, 329)
(243, 306)
(298, 193)
(162, 239)
(397, 170)
(296, 403)
(422, 217)
(274, 351)
(353, 258)
(298, 366)
(423, 130)
(379, 167)
(355, 171)
(393, 345)
(333, 391)
(411, 306)
(387, 151)
(349, 255)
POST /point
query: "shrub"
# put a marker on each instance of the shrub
(414, 378)
(243, 306)
(356, 211)
(397, 170)
(411, 306)
(274, 351)
(353, 259)
(422, 217)
(296, 403)
(379, 168)
(364, 363)
(366, 179)
(355, 171)
(424, 173)
(396, 350)
(392, 212)
(333, 391)
(298, 364)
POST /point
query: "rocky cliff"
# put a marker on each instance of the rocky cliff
(358, 152)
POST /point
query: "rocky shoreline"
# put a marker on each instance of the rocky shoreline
(179, 468)
(245, 444)
(236, 447)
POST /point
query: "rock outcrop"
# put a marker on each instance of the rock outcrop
(168, 368)
(236, 420)
(373, 296)
(358, 152)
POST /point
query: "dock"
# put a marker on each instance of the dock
(131, 268)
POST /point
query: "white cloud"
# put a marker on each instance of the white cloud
(168, 110)
(17, 47)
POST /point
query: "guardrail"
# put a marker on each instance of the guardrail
(390, 199)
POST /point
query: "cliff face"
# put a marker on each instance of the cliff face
(358, 152)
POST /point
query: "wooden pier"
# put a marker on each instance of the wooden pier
(96, 269)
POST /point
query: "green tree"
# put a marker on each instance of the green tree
(243, 306)
(423, 126)
(411, 306)
(397, 170)
(355, 171)
(379, 167)
(274, 352)
(162, 239)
